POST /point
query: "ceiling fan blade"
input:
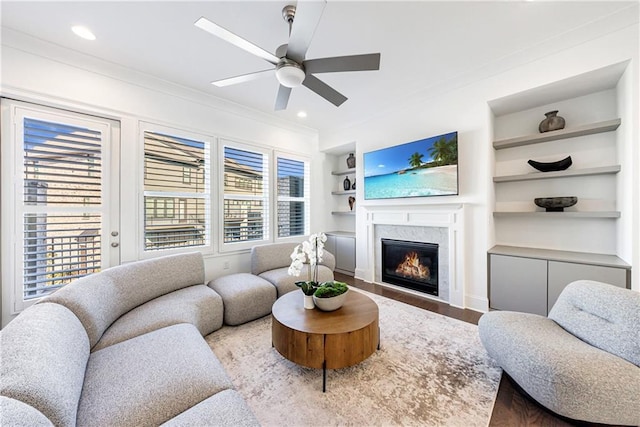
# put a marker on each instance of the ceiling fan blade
(324, 90)
(306, 21)
(243, 78)
(226, 35)
(282, 99)
(334, 64)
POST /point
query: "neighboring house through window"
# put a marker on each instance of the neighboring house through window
(245, 194)
(293, 196)
(176, 191)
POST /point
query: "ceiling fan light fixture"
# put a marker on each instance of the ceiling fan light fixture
(289, 73)
(83, 32)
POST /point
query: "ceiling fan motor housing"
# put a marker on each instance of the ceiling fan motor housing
(289, 73)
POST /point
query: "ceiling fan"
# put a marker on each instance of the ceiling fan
(291, 67)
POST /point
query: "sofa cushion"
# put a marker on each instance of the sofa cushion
(198, 305)
(277, 255)
(101, 298)
(44, 355)
(600, 314)
(226, 408)
(17, 414)
(285, 283)
(150, 379)
(565, 374)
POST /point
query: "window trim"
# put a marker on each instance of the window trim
(210, 150)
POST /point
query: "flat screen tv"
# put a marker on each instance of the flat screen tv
(428, 167)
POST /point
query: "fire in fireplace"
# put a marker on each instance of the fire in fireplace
(413, 265)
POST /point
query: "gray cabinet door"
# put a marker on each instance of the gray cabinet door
(518, 284)
(330, 244)
(563, 273)
(345, 254)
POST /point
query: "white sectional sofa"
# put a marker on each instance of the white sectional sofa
(122, 347)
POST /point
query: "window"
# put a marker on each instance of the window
(176, 192)
(245, 195)
(293, 197)
(62, 203)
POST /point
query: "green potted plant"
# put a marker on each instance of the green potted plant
(330, 296)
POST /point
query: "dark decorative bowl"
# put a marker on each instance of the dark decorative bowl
(560, 165)
(555, 204)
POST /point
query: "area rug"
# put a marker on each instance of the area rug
(431, 370)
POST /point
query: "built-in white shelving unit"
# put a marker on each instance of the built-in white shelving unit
(537, 253)
(343, 202)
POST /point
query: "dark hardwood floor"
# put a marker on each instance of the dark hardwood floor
(513, 407)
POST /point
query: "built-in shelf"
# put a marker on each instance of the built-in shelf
(540, 214)
(346, 213)
(604, 170)
(590, 129)
(343, 193)
(344, 172)
(561, 256)
(341, 233)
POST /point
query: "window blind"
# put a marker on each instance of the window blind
(176, 192)
(246, 200)
(293, 197)
(62, 174)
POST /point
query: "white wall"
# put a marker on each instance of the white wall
(35, 71)
(465, 109)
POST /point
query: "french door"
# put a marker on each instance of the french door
(60, 199)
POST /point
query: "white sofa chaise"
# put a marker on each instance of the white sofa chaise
(122, 347)
(583, 361)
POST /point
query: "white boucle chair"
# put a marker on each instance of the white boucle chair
(583, 361)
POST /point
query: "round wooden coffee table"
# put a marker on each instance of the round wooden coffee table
(327, 340)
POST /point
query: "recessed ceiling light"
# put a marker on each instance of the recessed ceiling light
(83, 32)
(302, 114)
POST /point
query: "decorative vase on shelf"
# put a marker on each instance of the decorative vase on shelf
(346, 184)
(351, 161)
(352, 201)
(308, 302)
(353, 184)
(552, 122)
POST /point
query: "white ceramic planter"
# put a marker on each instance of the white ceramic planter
(330, 304)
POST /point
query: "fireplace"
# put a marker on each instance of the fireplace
(413, 265)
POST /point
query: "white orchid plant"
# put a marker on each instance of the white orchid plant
(309, 252)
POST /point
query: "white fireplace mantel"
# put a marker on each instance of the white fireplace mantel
(449, 216)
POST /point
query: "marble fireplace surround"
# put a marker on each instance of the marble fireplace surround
(441, 224)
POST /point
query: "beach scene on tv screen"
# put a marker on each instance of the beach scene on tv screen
(428, 167)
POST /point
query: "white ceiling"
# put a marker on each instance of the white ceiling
(424, 44)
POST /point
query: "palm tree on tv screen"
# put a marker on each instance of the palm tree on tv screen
(444, 152)
(416, 159)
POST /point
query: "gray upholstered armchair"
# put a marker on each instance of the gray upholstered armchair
(272, 261)
(583, 361)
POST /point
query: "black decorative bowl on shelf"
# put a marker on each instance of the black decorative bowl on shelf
(560, 165)
(555, 204)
